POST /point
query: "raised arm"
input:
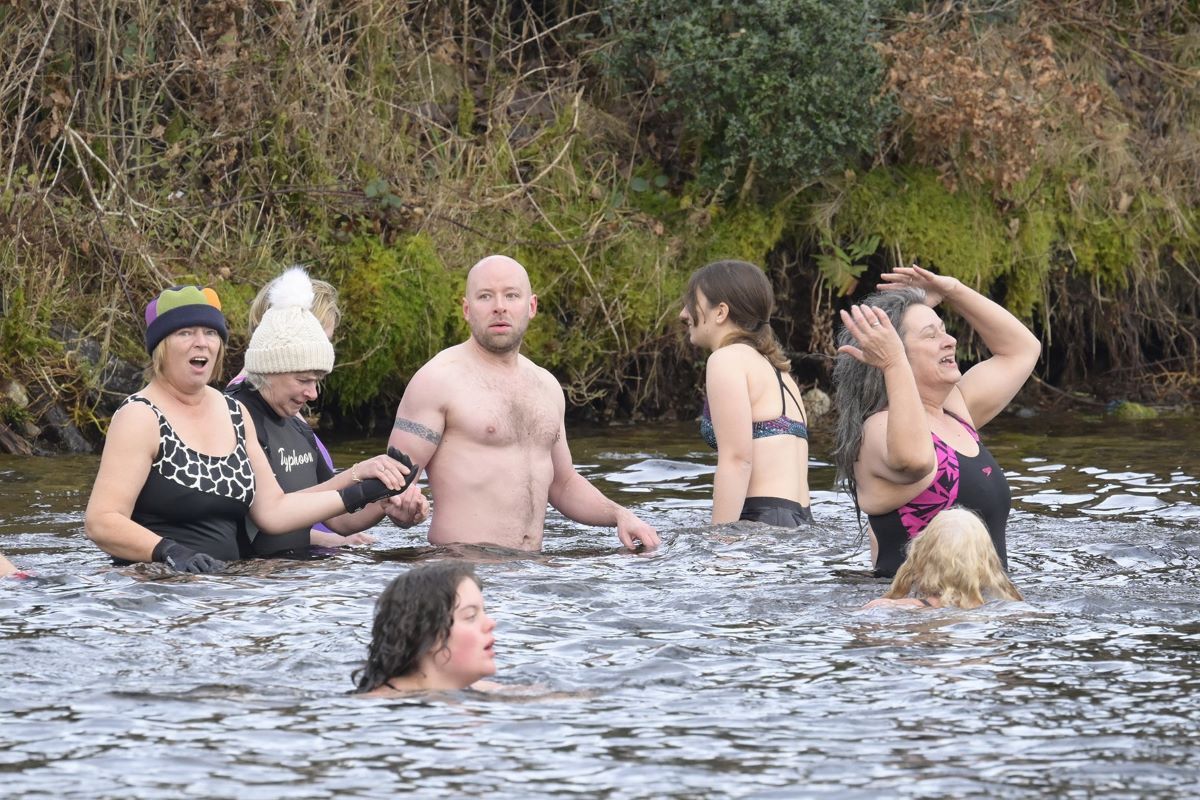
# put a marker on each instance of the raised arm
(896, 445)
(988, 386)
(732, 421)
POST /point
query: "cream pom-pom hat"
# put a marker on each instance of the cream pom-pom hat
(289, 338)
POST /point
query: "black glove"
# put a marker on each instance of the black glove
(184, 559)
(368, 490)
(403, 458)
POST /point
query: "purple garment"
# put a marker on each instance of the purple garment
(320, 526)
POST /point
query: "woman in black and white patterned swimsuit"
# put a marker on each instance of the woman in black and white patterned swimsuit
(176, 478)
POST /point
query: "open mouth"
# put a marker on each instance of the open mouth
(198, 361)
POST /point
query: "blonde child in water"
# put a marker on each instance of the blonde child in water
(951, 563)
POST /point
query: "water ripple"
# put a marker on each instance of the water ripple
(733, 662)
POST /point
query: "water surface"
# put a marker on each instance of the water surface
(733, 662)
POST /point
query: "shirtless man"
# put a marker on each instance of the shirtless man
(487, 424)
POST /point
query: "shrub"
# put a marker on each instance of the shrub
(772, 92)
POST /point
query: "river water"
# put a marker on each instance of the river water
(732, 662)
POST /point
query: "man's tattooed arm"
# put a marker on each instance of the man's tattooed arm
(417, 429)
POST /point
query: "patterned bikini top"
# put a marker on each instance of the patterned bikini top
(783, 425)
(229, 476)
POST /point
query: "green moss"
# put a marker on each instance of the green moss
(956, 233)
(1034, 232)
(1102, 245)
(399, 307)
(235, 305)
(1129, 410)
(24, 328)
(743, 232)
(592, 311)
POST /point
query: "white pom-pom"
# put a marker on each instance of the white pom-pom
(292, 288)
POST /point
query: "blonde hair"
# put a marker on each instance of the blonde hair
(953, 559)
(324, 306)
(159, 357)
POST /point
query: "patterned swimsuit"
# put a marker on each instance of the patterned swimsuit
(196, 499)
(783, 425)
(974, 482)
(776, 511)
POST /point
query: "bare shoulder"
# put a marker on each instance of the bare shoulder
(132, 430)
(439, 375)
(872, 449)
(733, 356)
(543, 377)
(902, 602)
(875, 425)
(526, 693)
(133, 417)
(956, 404)
(451, 361)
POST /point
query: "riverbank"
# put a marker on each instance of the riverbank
(1040, 152)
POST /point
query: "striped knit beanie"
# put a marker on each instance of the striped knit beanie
(183, 307)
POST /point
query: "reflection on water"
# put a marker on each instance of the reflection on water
(732, 662)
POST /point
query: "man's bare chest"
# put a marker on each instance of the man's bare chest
(499, 413)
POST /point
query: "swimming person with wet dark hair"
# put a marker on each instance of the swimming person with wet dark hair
(753, 415)
(431, 633)
(908, 443)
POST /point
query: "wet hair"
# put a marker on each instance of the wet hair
(324, 305)
(954, 559)
(158, 360)
(745, 289)
(859, 387)
(413, 617)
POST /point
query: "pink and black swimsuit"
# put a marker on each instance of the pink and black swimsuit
(973, 482)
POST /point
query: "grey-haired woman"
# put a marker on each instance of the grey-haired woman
(907, 444)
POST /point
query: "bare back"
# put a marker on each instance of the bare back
(491, 471)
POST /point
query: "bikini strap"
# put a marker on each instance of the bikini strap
(782, 402)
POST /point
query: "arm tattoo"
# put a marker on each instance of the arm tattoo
(417, 429)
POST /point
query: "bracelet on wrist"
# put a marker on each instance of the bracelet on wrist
(354, 473)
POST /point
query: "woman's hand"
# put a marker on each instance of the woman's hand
(936, 287)
(879, 344)
(391, 472)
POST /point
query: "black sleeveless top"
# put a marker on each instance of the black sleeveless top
(973, 482)
(195, 499)
(291, 447)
